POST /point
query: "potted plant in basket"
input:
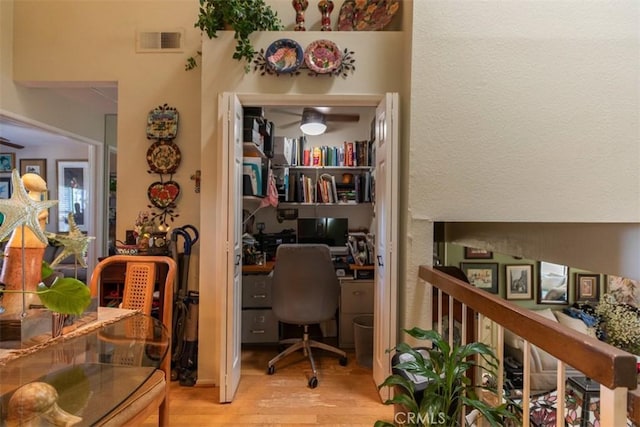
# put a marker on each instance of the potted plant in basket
(242, 16)
(448, 390)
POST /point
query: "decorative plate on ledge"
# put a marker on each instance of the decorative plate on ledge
(323, 56)
(370, 15)
(284, 56)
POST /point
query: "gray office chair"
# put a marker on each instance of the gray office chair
(305, 291)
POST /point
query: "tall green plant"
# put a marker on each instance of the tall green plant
(448, 387)
(242, 16)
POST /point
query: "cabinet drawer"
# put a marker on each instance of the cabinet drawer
(356, 296)
(259, 326)
(256, 291)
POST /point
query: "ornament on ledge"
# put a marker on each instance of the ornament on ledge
(325, 7)
(300, 6)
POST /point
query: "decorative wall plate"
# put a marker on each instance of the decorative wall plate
(163, 157)
(369, 15)
(162, 123)
(163, 194)
(284, 56)
(323, 56)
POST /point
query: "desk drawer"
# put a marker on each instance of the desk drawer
(356, 296)
(259, 326)
(256, 291)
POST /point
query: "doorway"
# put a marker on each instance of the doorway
(384, 127)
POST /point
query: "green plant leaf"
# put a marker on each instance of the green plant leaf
(66, 296)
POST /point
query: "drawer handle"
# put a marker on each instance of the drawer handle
(259, 296)
(257, 331)
(357, 293)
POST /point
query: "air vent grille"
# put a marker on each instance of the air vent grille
(159, 41)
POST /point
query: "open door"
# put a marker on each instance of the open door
(232, 137)
(386, 219)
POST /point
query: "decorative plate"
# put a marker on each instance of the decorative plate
(163, 194)
(162, 123)
(369, 15)
(284, 56)
(163, 157)
(323, 56)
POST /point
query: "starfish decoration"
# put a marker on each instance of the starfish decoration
(75, 243)
(21, 209)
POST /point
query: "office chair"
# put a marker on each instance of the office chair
(139, 282)
(305, 291)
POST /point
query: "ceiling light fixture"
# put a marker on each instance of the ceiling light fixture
(313, 122)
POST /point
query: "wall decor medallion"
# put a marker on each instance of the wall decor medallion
(163, 196)
(163, 157)
(284, 56)
(162, 123)
(321, 57)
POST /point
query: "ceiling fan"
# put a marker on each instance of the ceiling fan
(4, 141)
(313, 121)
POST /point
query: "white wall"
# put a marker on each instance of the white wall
(526, 111)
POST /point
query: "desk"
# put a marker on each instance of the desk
(99, 370)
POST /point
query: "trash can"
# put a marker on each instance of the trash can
(363, 340)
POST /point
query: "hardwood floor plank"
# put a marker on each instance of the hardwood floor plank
(345, 395)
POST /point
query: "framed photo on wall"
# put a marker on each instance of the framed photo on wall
(473, 253)
(625, 291)
(7, 162)
(483, 275)
(519, 281)
(37, 166)
(587, 287)
(73, 193)
(5, 188)
(554, 283)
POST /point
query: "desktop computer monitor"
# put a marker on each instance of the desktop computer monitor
(333, 232)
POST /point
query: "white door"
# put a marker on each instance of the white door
(232, 136)
(386, 215)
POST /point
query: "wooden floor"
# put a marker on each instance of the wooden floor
(345, 395)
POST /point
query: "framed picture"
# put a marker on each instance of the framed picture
(73, 193)
(473, 253)
(624, 290)
(37, 166)
(519, 281)
(483, 275)
(553, 285)
(5, 187)
(587, 287)
(7, 162)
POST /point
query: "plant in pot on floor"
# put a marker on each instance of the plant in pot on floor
(242, 16)
(446, 389)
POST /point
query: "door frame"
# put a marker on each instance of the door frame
(370, 100)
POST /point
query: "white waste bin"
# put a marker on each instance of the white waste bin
(363, 340)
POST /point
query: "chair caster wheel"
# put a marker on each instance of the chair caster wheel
(271, 370)
(343, 361)
(313, 382)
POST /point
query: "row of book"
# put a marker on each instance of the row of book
(298, 187)
(349, 154)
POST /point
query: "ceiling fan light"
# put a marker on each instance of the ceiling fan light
(313, 122)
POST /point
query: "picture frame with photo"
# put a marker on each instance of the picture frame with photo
(483, 275)
(624, 290)
(519, 281)
(473, 253)
(5, 188)
(587, 287)
(73, 193)
(7, 162)
(553, 285)
(37, 166)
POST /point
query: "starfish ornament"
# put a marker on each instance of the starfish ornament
(21, 209)
(75, 243)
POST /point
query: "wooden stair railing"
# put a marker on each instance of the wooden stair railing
(613, 368)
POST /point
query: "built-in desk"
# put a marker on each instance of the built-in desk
(98, 370)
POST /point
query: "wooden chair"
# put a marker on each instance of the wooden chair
(139, 285)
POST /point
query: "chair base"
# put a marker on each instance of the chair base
(305, 344)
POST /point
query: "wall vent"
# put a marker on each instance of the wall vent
(159, 41)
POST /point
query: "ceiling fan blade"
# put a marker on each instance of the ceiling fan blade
(281, 111)
(342, 117)
(4, 141)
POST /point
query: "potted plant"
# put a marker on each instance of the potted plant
(447, 389)
(242, 16)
